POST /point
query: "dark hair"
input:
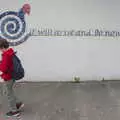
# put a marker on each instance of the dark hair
(4, 44)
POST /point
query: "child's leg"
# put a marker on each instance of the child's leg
(19, 104)
(16, 98)
(10, 95)
(1, 95)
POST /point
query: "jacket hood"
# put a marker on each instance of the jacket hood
(10, 51)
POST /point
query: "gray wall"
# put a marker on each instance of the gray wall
(62, 58)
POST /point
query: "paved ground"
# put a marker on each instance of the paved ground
(68, 101)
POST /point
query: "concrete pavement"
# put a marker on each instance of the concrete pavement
(68, 101)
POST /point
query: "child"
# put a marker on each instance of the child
(6, 68)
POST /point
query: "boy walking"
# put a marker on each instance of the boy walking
(6, 68)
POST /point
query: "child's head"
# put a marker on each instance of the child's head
(3, 45)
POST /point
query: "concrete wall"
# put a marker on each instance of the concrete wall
(62, 58)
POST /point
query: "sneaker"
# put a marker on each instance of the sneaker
(19, 105)
(11, 113)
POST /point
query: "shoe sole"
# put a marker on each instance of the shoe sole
(16, 115)
(21, 106)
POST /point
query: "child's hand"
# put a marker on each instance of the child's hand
(0, 73)
(1, 80)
